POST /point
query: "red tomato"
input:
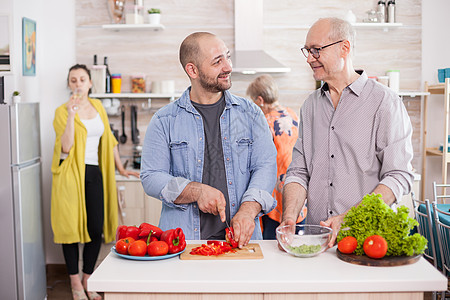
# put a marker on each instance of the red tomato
(375, 246)
(123, 244)
(347, 245)
(157, 248)
(137, 248)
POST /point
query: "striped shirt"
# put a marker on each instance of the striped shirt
(342, 154)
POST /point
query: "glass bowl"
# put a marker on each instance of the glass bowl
(304, 240)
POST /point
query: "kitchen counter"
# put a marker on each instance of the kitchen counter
(130, 178)
(276, 276)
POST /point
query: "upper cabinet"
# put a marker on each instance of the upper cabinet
(120, 27)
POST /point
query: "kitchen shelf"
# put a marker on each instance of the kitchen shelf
(436, 89)
(119, 27)
(412, 94)
(376, 25)
(170, 96)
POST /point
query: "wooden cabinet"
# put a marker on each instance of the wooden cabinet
(136, 207)
(440, 89)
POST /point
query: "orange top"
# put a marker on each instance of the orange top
(284, 126)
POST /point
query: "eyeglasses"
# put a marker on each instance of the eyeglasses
(315, 51)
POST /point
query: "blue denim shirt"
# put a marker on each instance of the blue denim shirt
(173, 152)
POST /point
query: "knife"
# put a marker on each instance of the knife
(228, 226)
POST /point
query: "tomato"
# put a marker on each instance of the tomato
(375, 246)
(137, 248)
(157, 248)
(347, 245)
(123, 244)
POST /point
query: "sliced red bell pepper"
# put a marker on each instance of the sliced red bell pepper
(146, 228)
(229, 236)
(212, 248)
(175, 239)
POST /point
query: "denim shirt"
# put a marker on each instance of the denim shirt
(173, 151)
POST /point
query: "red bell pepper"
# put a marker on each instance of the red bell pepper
(212, 248)
(147, 228)
(120, 232)
(175, 239)
(229, 236)
(132, 231)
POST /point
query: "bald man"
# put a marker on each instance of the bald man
(354, 135)
(209, 155)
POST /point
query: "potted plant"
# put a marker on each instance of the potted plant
(154, 16)
(16, 97)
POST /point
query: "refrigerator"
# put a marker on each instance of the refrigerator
(22, 258)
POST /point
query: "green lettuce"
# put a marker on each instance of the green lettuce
(373, 216)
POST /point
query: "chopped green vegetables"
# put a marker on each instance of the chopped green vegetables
(373, 216)
(305, 249)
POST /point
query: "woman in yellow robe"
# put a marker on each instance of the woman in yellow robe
(84, 197)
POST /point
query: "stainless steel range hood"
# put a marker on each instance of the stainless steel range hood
(249, 56)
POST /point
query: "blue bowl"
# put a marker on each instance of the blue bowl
(441, 75)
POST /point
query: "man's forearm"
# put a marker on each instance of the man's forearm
(191, 193)
(294, 196)
(250, 208)
(386, 193)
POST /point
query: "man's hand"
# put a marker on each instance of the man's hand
(210, 200)
(243, 222)
(335, 224)
(284, 223)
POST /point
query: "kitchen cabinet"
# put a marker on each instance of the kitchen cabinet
(136, 207)
(439, 89)
(321, 277)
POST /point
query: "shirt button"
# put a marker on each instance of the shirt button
(201, 139)
(195, 229)
(228, 159)
(225, 138)
(332, 127)
(331, 184)
(233, 204)
(199, 160)
(197, 117)
(331, 212)
(332, 155)
(195, 206)
(229, 182)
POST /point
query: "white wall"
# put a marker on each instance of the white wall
(435, 55)
(55, 53)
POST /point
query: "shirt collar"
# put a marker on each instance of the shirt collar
(185, 100)
(356, 86)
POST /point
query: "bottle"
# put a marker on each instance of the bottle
(381, 11)
(95, 59)
(108, 76)
(116, 83)
(391, 11)
(394, 79)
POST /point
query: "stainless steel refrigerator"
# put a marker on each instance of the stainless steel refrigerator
(22, 259)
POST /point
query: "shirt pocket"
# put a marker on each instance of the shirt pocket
(179, 159)
(244, 153)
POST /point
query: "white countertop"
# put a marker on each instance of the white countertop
(130, 178)
(278, 272)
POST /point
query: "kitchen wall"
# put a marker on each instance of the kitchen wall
(435, 55)
(286, 23)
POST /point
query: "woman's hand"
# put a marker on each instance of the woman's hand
(127, 173)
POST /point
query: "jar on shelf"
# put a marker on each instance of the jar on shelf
(134, 12)
(116, 83)
(138, 83)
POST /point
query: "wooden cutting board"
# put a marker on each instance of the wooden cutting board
(387, 261)
(251, 251)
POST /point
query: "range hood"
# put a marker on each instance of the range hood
(249, 56)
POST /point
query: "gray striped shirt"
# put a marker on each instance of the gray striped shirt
(343, 154)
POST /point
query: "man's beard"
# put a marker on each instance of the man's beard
(213, 85)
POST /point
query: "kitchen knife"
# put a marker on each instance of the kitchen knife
(228, 226)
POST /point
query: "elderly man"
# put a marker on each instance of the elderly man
(209, 156)
(354, 135)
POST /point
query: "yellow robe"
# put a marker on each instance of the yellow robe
(68, 206)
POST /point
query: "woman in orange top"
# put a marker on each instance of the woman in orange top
(283, 123)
